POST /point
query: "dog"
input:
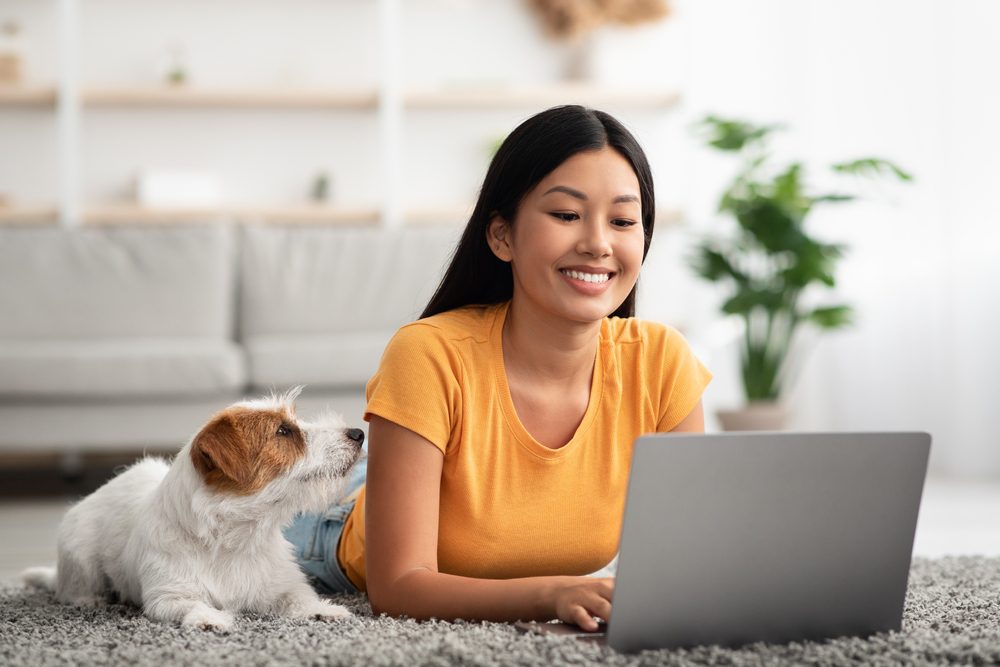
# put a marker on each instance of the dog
(198, 539)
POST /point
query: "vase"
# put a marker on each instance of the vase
(579, 64)
(11, 55)
(755, 416)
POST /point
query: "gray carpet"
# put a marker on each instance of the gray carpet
(952, 616)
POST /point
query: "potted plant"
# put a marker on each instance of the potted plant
(770, 263)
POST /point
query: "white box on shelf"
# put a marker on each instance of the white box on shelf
(177, 189)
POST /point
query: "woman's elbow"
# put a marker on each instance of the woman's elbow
(395, 608)
(392, 597)
(379, 600)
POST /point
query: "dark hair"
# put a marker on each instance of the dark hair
(532, 151)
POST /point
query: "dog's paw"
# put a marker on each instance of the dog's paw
(333, 612)
(322, 610)
(206, 618)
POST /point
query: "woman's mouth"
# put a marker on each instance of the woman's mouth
(587, 277)
(587, 282)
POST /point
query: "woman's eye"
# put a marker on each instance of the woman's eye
(284, 430)
(565, 216)
(623, 222)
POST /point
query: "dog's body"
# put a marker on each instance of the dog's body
(200, 538)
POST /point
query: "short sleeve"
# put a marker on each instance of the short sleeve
(682, 382)
(418, 384)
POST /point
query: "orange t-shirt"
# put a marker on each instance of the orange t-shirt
(509, 506)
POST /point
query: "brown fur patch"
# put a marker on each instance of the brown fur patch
(239, 451)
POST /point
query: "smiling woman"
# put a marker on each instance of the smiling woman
(586, 238)
(502, 422)
(532, 152)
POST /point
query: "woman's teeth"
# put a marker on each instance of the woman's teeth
(588, 277)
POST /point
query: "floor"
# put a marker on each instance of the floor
(955, 518)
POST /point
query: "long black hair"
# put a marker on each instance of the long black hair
(533, 150)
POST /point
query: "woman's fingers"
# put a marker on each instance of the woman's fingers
(581, 600)
(583, 618)
(601, 608)
(595, 606)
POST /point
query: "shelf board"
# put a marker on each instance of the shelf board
(293, 214)
(28, 96)
(182, 96)
(28, 215)
(507, 97)
(471, 97)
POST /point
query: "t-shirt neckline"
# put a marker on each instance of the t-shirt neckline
(521, 434)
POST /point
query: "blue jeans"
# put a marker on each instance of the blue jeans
(316, 536)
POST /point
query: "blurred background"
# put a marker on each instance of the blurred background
(205, 199)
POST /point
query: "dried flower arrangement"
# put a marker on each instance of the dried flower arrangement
(566, 19)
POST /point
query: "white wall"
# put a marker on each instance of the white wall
(909, 81)
(915, 83)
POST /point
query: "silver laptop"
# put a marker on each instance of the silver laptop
(743, 537)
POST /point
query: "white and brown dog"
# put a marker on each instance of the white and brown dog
(196, 540)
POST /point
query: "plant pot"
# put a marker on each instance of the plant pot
(756, 416)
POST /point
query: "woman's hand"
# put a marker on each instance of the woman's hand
(578, 599)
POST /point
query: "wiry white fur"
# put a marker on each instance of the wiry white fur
(157, 536)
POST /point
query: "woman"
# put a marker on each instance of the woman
(502, 421)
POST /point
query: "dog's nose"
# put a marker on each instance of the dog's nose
(355, 434)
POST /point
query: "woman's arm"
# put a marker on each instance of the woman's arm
(402, 499)
(693, 423)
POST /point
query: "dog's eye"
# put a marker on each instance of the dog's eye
(284, 430)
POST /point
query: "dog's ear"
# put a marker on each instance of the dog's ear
(217, 454)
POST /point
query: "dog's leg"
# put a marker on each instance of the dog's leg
(79, 581)
(188, 610)
(303, 602)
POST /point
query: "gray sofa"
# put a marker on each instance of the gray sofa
(129, 338)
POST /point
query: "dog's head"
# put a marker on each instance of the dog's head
(260, 448)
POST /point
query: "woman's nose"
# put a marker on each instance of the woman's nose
(594, 240)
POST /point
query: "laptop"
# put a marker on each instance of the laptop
(737, 538)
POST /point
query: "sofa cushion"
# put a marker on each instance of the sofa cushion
(318, 304)
(120, 368)
(337, 360)
(117, 282)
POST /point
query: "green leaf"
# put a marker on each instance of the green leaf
(747, 299)
(872, 166)
(831, 317)
(834, 198)
(813, 262)
(770, 224)
(788, 185)
(713, 265)
(734, 135)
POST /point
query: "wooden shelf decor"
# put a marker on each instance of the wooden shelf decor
(376, 106)
(28, 96)
(293, 214)
(181, 96)
(28, 215)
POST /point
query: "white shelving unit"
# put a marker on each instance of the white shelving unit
(387, 98)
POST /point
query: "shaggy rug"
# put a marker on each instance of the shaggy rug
(952, 616)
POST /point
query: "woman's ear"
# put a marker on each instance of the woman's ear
(498, 238)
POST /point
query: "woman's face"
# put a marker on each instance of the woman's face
(576, 244)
